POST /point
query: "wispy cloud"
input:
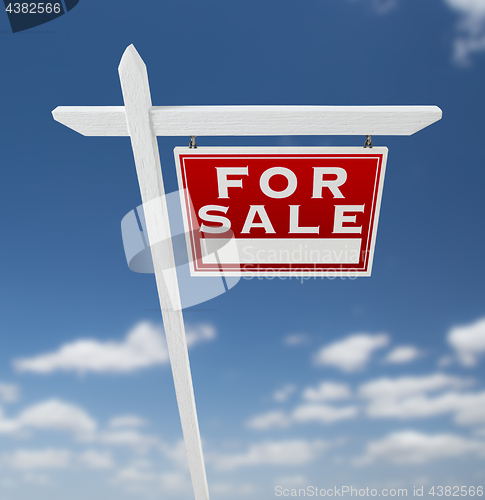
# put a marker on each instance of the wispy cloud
(470, 28)
(282, 395)
(136, 472)
(175, 452)
(380, 6)
(295, 481)
(127, 438)
(55, 458)
(49, 458)
(396, 388)
(327, 391)
(407, 397)
(144, 346)
(403, 354)
(126, 421)
(291, 452)
(302, 414)
(95, 459)
(9, 393)
(36, 479)
(277, 419)
(352, 353)
(470, 37)
(296, 339)
(122, 432)
(469, 409)
(141, 476)
(175, 482)
(411, 447)
(410, 397)
(54, 415)
(324, 414)
(468, 341)
(226, 489)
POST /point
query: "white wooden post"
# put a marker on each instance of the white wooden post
(138, 104)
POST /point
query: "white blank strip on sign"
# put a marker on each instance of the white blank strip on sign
(254, 120)
(285, 251)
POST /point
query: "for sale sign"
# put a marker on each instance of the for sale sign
(281, 211)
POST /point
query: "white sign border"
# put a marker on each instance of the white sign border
(279, 150)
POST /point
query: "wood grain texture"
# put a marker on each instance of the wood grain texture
(255, 120)
(136, 95)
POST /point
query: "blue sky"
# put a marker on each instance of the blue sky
(373, 382)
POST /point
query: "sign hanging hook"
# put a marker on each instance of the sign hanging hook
(193, 144)
(367, 143)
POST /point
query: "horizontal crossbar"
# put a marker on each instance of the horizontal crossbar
(254, 120)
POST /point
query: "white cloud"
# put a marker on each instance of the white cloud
(468, 341)
(176, 453)
(386, 388)
(297, 481)
(445, 361)
(327, 391)
(51, 415)
(9, 393)
(122, 421)
(243, 490)
(8, 426)
(175, 482)
(468, 409)
(143, 347)
(323, 414)
(199, 333)
(38, 459)
(57, 415)
(306, 413)
(139, 471)
(295, 339)
(292, 452)
(384, 6)
(37, 479)
(134, 439)
(129, 474)
(410, 447)
(470, 30)
(284, 393)
(95, 459)
(352, 353)
(7, 482)
(222, 489)
(142, 473)
(403, 354)
(381, 6)
(271, 420)
(409, 397)
(475, 7)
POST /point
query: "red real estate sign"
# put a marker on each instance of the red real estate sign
(281, 211)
